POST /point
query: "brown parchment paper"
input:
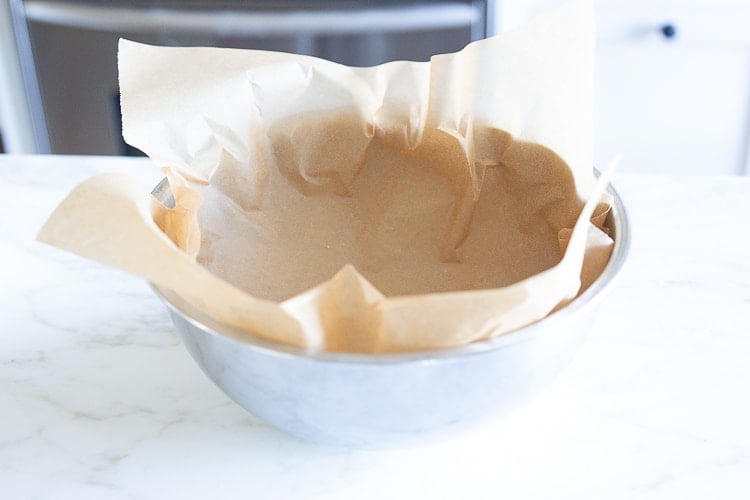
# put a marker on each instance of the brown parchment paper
(401, 207)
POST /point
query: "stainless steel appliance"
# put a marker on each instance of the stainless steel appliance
(68, 48)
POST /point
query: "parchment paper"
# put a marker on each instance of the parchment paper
(407, 206)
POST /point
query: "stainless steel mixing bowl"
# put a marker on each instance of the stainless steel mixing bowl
(395, 399)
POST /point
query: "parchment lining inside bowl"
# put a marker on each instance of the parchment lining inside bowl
(411, 221)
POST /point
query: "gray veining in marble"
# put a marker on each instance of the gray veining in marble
(98, 399)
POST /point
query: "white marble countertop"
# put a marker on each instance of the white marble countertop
(98, 399)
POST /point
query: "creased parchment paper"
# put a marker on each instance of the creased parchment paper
(407, 206)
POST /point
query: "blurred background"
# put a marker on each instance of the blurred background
(672, 89)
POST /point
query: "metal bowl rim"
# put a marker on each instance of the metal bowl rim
(580, 305)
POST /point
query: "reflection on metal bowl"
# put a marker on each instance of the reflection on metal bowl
(395, 399)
